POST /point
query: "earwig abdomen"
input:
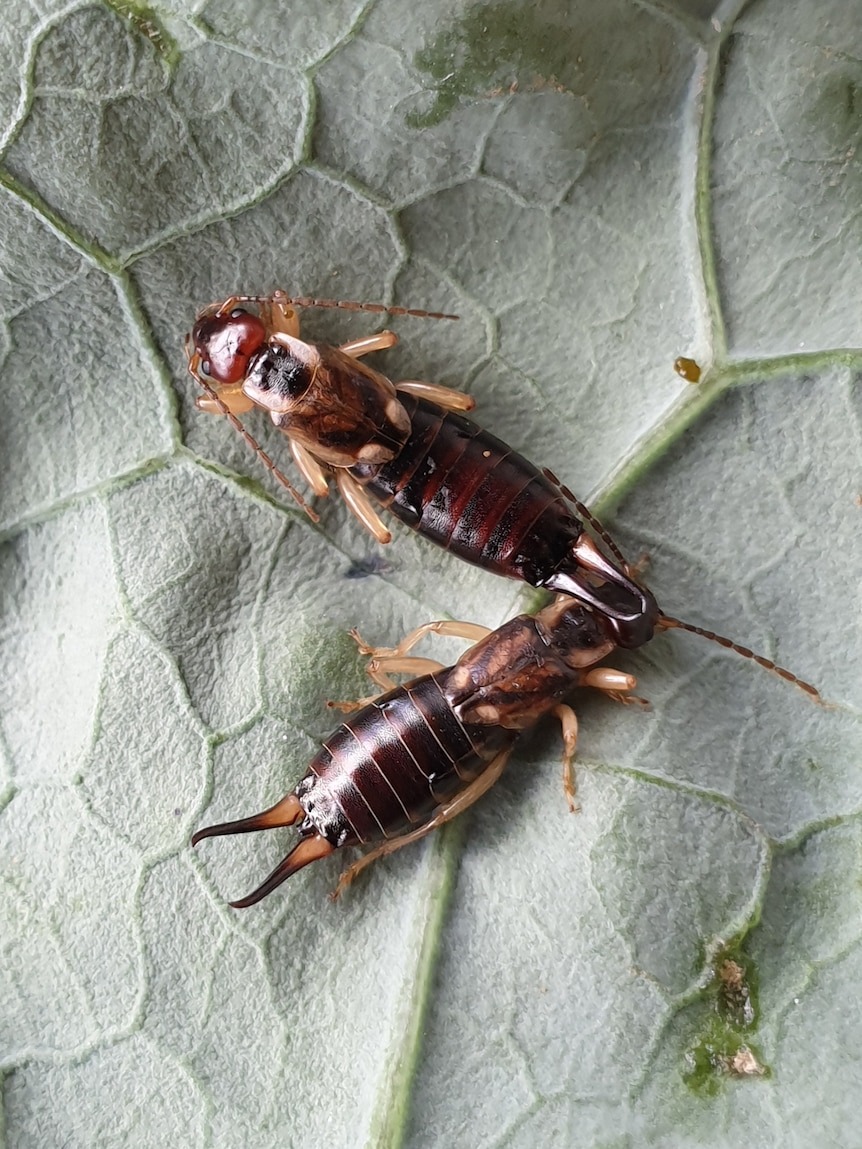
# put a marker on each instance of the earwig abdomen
(388, 766)
(466, 490)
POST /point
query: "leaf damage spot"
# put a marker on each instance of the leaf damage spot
(723, 1049)
(146, 23)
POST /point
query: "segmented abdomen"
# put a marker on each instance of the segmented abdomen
(469, 492)
(388, 766)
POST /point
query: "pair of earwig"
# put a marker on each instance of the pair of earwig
(410, 760)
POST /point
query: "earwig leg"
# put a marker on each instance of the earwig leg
(640, 566)
(363, 646)
(444, 814)
(380, 677)
(359, 505)
(379, 669)
(306, 851)
(449, 627)
(607, 679)
(310, 469)
(350, 705)
(444, 397)
(222, 306)
(232, 397)
(569, 721)
(278, 315)
(379, 342)
(414, 666)
(386, 660)
(616, 684)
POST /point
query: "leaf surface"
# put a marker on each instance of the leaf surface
(595, 188)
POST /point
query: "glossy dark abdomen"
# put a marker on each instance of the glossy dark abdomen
(470, 493)
(387, 767)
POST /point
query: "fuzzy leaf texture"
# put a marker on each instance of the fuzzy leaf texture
(596, 188)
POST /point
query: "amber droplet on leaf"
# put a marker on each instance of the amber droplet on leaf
(689, 369)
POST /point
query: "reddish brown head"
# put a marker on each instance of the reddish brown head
(225, 343)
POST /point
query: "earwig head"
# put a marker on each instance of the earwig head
(630, 609)
(226, 343)
(579, 636)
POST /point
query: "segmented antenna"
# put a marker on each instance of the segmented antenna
(586, 513)
(343, 305)
(194, 362)
(665, 622)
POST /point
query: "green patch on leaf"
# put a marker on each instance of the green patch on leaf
(496, 48)
(725, 1049)
(148, 23)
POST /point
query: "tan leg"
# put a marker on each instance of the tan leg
(379, 669)
(379, 342)
(388, 660)
(360, 505)
(444, 397)
(449, 627)
(636, 569)
(310, 469)
(569, 721)
(443, 814)
(278, 315)
(232, 397)
(379, 675)
(615, 683)
(350, 705)
(223, 306)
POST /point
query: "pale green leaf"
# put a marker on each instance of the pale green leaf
(596, 188)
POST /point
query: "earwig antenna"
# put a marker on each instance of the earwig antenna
(342, 304)
(665, 622)
(585, 511)
(194, 362)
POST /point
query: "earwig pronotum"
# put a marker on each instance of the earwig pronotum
(409, 447)
(410, 760)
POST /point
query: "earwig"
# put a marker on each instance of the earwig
(410, 448)
(415, 757)
(410, 760)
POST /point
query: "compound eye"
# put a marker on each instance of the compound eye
(206, 369)
(237, 312)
